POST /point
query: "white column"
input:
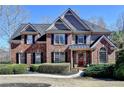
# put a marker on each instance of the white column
(19, 58)
(71, 59)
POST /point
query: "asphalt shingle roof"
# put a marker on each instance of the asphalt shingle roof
(70, 21)
(39, 27)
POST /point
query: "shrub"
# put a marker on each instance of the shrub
(119, 72)
(53, 68)
(34, 67)
(6, 69)
(19, 68)
(100, 70)
(120, 56)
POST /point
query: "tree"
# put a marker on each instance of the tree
(93, 20)
(118, 39)
(118, 34)
(101, 22)
(10, 18)
(120, 22)
(98, 21)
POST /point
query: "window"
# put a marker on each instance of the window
(80, 39)
(37, 58)
(22, 58)
(103, 55)
(59, 57)
(59, 39)
(29, 39)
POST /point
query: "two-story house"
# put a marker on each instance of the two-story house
(68, 39)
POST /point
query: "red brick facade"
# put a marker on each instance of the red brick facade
(57, 48)
(47, 48)
(28, 49)
(79, 36)
(110, 53)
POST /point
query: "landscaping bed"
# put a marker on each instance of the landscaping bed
(52, 68)
(13, 68)
(100, 71)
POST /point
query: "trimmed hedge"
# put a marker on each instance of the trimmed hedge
(6, 69)
(119, 72)
(53, 68)
(19, 68)
(13, 68)
(100, 71)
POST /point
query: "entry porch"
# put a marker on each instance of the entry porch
(80, 56)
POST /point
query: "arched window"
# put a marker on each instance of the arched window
(103, 55)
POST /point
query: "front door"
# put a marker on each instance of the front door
(81, 59)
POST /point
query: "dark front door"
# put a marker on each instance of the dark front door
(81, 58)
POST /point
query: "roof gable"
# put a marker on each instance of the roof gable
(74, 21)
(29, 28)
(101, 39)
(58, 24)
(41, 28)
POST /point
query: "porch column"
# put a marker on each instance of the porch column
(71, 59)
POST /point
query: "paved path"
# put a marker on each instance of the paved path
(46, 75)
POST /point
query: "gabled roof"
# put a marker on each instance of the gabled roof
(31, 27)
(39, 27)
(53, 25)
(99, 39)
(74, 21)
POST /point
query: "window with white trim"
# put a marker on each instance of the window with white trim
(29, 39)
(37, 58)
(103, 55)
(59, 39)
(80, 39)
(22, 58)
(59, 57)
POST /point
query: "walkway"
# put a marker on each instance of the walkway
(79, 74)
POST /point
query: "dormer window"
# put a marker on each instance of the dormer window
(29, 39)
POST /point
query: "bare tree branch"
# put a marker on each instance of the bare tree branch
(10, 18)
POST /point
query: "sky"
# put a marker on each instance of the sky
(44, 14)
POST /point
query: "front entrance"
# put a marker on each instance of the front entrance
(81, 59)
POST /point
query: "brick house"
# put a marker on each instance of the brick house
(68, 39)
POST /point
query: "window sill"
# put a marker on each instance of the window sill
(59, 44)
(30, 44)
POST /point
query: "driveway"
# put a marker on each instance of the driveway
(63, 82)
